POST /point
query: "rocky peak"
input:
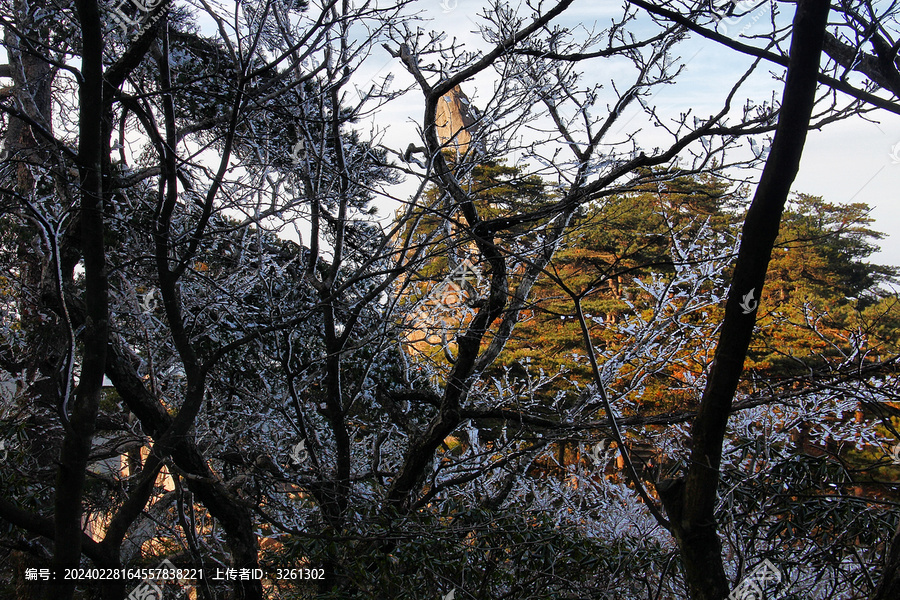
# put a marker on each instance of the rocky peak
(455, 119)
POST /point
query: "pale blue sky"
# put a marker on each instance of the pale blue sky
(845, 162)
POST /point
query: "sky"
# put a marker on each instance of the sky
(850, 161)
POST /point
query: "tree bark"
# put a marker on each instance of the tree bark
(234, 517)
(889, 586)
(76, 447)
(693, 513)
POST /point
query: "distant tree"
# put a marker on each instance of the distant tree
(818, 281)
(612, 245)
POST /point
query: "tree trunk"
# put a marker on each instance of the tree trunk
(693, 514)
(79, 433)
(206, 486)
(889, 586)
